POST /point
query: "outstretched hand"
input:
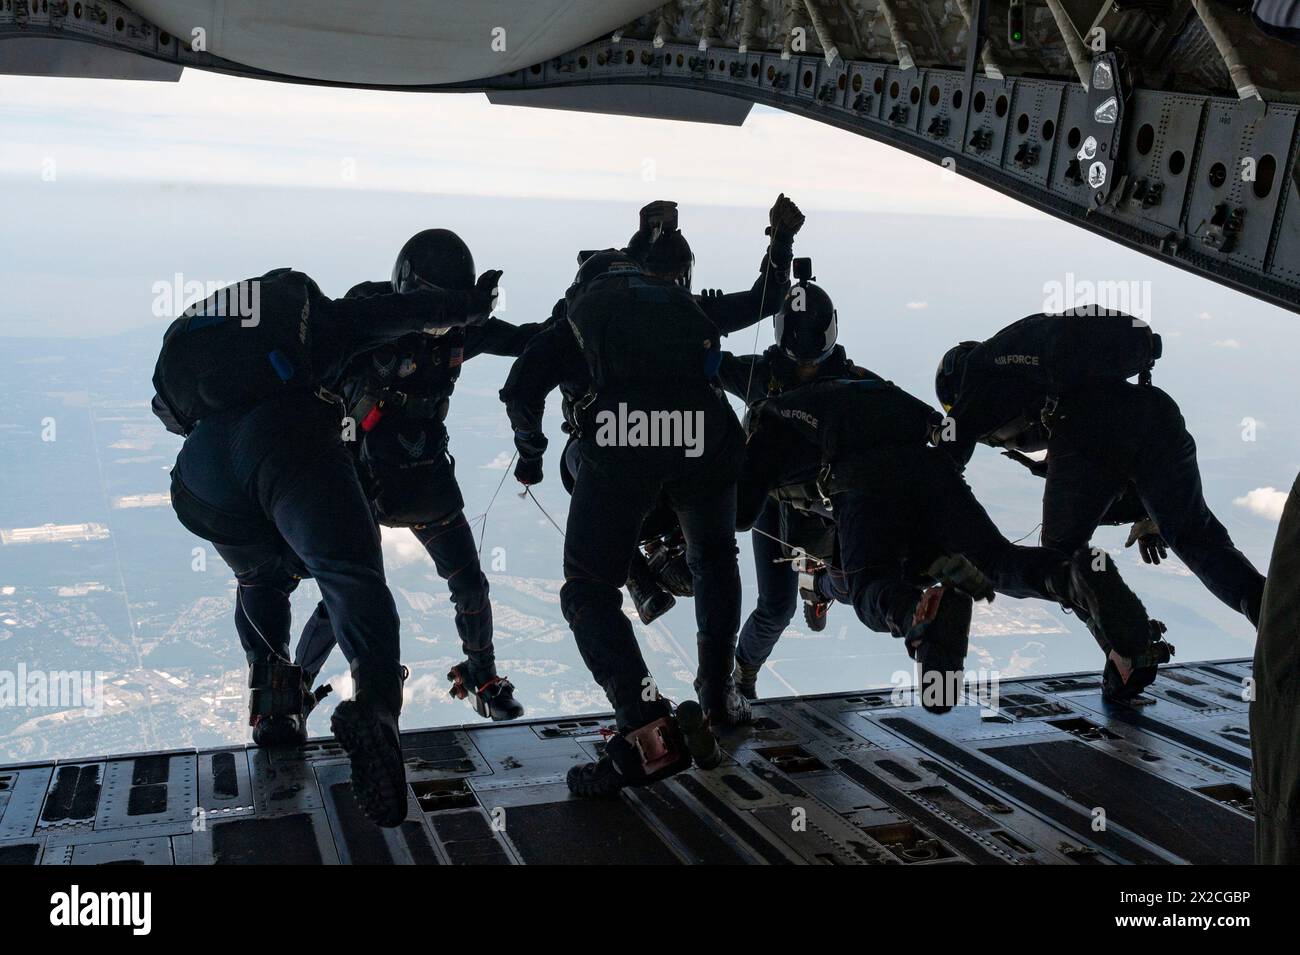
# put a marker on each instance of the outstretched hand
(1151, 545)
(483, 297)
(785, 218)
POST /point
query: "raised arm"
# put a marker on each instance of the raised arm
(736, 310)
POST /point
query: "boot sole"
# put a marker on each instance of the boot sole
(378, 774)
(477, 703)
(951, 641)
(280, 738)
(816, 621)
(949, 628)
(720, 716)
(952, 622)
(700, 741)
(504, 717)
(585, 788)
(485, 711)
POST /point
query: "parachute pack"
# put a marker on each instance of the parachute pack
(1062, 352)
(634, 329)
(245, 342)
(847, 418)
(412, 477)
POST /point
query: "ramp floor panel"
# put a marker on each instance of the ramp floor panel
(838, 779)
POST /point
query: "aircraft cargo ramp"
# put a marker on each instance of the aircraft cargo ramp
(1054, 775)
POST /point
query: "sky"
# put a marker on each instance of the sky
(216, 129)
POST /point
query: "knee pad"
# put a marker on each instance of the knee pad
(582, 595)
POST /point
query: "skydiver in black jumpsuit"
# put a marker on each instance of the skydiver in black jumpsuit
(552, 360)
(805, 351)
(1059, 383)
(397, 396)
(899, 505)
(651, 353)
(271, 485)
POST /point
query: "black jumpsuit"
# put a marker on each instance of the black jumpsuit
(275, 489)
(425, 368)
(1109, 434)
(753, 378)
(898, 502)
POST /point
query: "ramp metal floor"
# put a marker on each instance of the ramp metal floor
(1054, 775)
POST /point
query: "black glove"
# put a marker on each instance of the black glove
(785, 220)
(528, 471)
(1151, 545)
(530, 444)
(709, 295)
(483, 297)
(661, 212)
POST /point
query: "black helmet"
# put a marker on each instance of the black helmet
(668, 257)
(947, 380)
(807, 325)
(436, 257)
(595, 265)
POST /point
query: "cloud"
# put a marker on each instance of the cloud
(1264, 501)
(424, 690)
(499, 463)
(1226, 343)
(400, 547)
(1205, 316)
(917, 306)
